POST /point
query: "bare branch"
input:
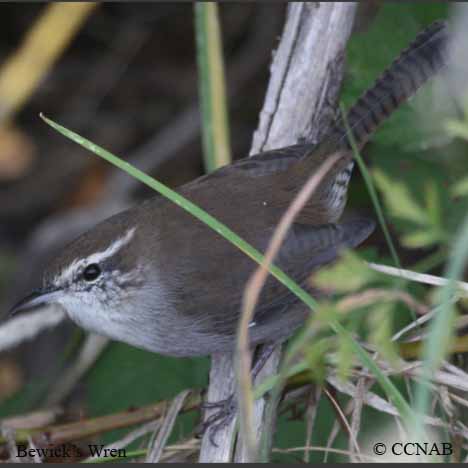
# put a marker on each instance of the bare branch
(26, 327)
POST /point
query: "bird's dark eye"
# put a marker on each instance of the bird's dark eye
(91, 272)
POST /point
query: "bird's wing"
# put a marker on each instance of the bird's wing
(305, 249)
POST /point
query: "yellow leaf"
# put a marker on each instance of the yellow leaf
(41, 47)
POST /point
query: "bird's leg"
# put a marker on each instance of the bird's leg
(263, 354)
(227, 408)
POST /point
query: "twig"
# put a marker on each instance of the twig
(373, 400)
(129, 438)
(8, 435)
(72, 432)
(37, 457)
(32, 420)
(414, 324)
(417, 277)
(356, 417)
(370, 296)
(335, 430)
(26, 327)
(172, 453)
(311, 414)
(343, 419)
(156, 450)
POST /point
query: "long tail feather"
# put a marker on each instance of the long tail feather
(419, 62)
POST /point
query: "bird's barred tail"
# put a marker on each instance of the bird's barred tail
(423, 58)
(420, 61)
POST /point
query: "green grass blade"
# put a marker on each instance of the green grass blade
(441, 328)
(211, 79)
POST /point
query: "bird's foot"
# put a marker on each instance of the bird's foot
(226, 410)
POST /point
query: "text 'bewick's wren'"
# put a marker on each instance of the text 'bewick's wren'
(157, 278)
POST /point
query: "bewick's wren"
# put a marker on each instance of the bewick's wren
(159, 279)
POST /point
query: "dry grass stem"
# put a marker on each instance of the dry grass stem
(32, 420)
(131, 437)
(373, 400)
(416, 277)
(155, 451)
(8, 435)
(252, 292)
(173, 453)
(371, 296)
(311, 415)
(37, 458)
(343, 419)
(413, 325)
(356, 417)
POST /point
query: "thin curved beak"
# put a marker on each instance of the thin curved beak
(38, 298)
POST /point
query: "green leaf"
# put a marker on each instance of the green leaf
(345, 358)
(457, 128)
(460, 188)
(316, 358)
(380, 325)
(348, 274)
(433, 205)
(420, 239)
(399, 200)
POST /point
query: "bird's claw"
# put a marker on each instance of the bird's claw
(219, 419)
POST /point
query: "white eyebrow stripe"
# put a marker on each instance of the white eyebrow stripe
(98, 256)
(113, 248)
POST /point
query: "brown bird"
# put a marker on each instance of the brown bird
(155, 277)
